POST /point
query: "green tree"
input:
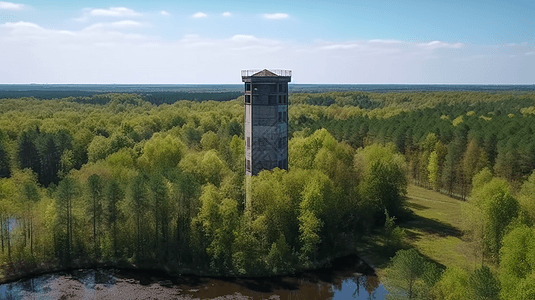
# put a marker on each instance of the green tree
(161, 152)
(139, 203)
(453, 285)
(234, 128)
(384, 185)
(96, 192)
(473, 161)
(210, 140)
(499, 208)
(484, 285)
(50, 158)
(208, 219)
(188, 191)
(114, 194)
(517, 264)
(99, 148)
(526, 198)
(159, 200)
(66, 193)
(30, 195)
(27, 155)
(5, 165)
(408, 274)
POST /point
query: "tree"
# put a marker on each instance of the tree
(50, 158)
(526, 198)
(473, 161)
(220, 249)
(113, 195)
(309, 229)
(499, 208)
(208, 219)
(27, 155)
(433, 168)
(210, 140)
(64, 206)
(436, 165)
(393, 234)
(5, 165)
(453, 285)
(30, 195)
(99, 148)
(409, 276)
(384, 185)
(159, 203)
(139, 203)
(161, 152)
(191, 136)
(517, 264)
(234, 129)
(484, 285)
(96, 191)
(188, 192)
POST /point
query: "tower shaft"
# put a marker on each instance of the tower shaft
(266, 120)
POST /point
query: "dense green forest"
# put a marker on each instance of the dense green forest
(117, 179)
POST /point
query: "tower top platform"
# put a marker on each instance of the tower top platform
(266, 73)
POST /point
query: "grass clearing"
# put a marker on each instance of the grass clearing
(437, 230)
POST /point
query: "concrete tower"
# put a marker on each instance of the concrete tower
(266, 119)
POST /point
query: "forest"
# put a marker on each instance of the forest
(117, 179)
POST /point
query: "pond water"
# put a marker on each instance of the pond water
(348, 278)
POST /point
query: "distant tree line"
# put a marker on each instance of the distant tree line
(92, 97)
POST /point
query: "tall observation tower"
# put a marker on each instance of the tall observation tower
(266, 119)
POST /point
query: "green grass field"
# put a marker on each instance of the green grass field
(437, 230)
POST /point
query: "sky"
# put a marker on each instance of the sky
(322, 42)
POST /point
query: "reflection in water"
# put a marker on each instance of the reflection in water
(348, 278)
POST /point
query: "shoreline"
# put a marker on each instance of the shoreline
(336, 264)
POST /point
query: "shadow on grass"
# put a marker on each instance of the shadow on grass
(416, 206)
(431, 226)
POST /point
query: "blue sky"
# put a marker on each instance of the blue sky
(465, 42)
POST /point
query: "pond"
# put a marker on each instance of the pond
(348, 278)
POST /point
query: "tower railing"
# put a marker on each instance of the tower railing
(247, 73)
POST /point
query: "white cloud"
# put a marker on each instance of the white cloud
(11, 6)
(385, 41)
(115, 25)
(276, 16)
(164, 13)
(339, 46)
(529, 53)
(439, 44)
(114, 12)
(199, 15)
(103, 53)
(243, 38)
(226, 14)
(126, 23)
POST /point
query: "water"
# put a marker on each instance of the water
(342, 281)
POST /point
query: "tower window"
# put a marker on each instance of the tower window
(247, 98)
(248, 142)
(280, 116)
(247, 86)
(280, 87)
(248, 165)
(280, 98)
